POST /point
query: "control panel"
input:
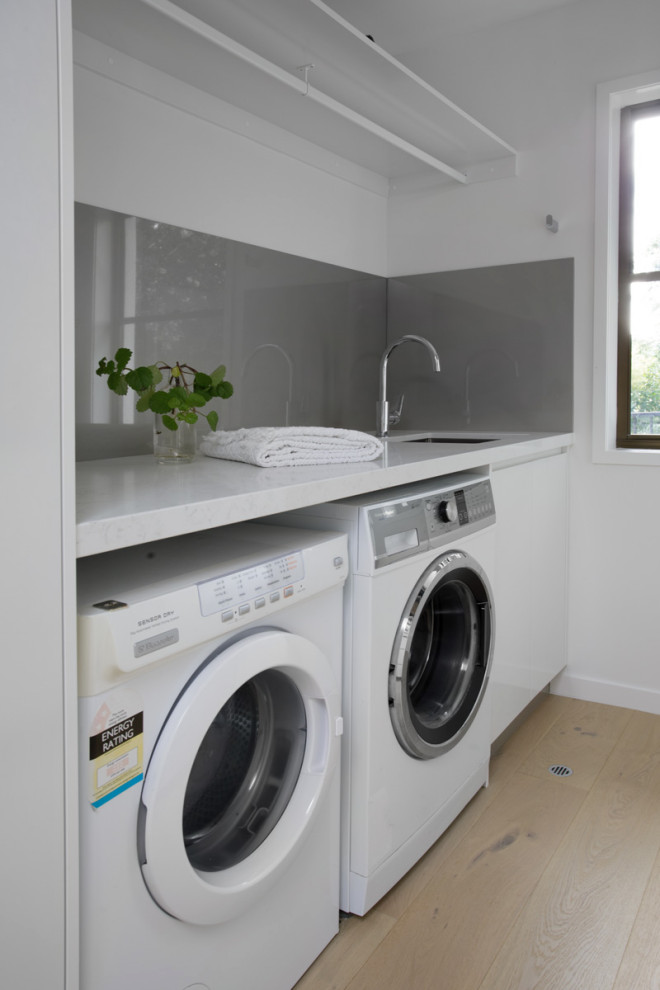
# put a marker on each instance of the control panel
(422, 520)
(461, 507)
(252, 588)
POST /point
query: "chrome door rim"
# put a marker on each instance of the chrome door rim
(450, 566)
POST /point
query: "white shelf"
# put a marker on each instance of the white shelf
(356, 101)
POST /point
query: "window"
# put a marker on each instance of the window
(638, 352)
(626, 274)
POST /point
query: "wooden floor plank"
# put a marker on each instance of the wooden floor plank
(640, 966)
(574, 929)
(481, 888)
(357, 940)
(582, 737)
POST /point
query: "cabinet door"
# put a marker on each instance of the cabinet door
(530, 589)
(510, 678)
(549, 542)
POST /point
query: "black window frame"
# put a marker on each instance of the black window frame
(627, 277)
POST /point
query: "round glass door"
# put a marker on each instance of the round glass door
(244, 772)
(237, 774)
(441, 656)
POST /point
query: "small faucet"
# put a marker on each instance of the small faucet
(385, 419)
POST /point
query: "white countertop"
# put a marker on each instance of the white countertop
(130, 500)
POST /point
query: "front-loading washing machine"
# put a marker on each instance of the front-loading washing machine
(210, 721)
(419, 634)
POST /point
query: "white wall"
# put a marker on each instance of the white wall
(153, 147)
(38, 857)
(533, 83)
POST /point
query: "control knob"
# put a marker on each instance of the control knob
(447, 511)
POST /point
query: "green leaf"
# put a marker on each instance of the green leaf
(159, 402)
(202, 380)
(117, 383)
(143, 404)
(189, 417)
(178, 394)
(196, 399)
(122, 357)
(169, 423)
(105, 367)
(224, 390)
(156, 374)
(140, 378)
(212, 419)
(218, 374)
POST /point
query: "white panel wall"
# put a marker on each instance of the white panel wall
(36, 913)
(140, 155)
(534, 83)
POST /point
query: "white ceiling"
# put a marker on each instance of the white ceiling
(405, 26)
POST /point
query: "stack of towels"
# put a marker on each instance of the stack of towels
(291, 446)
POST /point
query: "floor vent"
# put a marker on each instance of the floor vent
(559, 770)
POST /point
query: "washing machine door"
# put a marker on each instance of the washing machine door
(237, 775)
(441, 657)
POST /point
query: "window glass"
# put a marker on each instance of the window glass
(638, 404)
(646, 200)
(645, 358)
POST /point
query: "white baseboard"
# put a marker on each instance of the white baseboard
(606, 693)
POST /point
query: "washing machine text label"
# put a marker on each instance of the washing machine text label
(115, 735)
(156, 642)
(156, 618)
(115, 747)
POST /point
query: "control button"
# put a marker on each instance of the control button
(447, 511)
(259, 602)
(288, 592)
(228, 615)
(243, 609)
(338, 562)
(274, 596)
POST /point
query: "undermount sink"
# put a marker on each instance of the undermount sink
(434, 439)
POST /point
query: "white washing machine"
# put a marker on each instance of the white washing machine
(210, 722)
(419, 633)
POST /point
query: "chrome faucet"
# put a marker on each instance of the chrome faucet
(385, 418)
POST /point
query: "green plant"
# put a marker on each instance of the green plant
(179, 398)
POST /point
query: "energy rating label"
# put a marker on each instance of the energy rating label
(115, 748)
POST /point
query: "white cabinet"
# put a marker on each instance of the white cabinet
(38, 867)
(530, 582)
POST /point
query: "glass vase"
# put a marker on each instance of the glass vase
(174, 446)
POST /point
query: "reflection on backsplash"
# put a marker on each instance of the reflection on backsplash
(301, 339)
(505, 339)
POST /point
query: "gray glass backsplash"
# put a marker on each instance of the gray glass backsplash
(302, 339)
(505, 339)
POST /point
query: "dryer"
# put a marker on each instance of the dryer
(209, 723)
(419, 634)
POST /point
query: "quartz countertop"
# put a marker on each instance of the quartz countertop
(130, 500)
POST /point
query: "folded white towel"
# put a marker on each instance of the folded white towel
(290, 446)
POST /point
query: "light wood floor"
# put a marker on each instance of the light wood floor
(542, 882)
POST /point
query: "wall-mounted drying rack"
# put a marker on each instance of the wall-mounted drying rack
(353, 98)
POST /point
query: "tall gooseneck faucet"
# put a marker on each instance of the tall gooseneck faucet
(385, 420)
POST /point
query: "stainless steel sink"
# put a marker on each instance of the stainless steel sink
(434, 439)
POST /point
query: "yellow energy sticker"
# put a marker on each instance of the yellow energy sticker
(115, 751)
